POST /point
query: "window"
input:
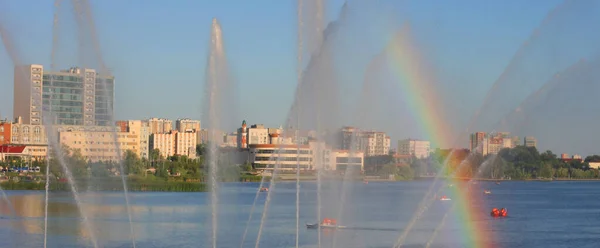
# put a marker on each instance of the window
(15, 139)
(36, 130)
(1, 129)
(26, 130)
(15, 129)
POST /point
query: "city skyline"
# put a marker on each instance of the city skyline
(258, 76)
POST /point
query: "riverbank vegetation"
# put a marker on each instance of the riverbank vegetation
(518, 163)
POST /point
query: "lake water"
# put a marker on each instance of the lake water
(541, 214)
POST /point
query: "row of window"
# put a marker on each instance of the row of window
(282, 151)
(15, 129)
(301, 159)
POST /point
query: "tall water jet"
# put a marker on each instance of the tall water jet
(216, 86)
(299, 77)
(563, 37)
(55, 31)
(105, 85)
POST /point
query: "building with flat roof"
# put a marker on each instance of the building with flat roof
(267, 156)
(77, 96)
(417, 148)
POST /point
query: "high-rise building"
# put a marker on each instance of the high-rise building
(77, 96)
(160, 125)
(417, 148)
(530, 141)
(476, 141)
(187, 125)
(378, 143)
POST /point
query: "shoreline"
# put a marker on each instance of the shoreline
(160, 186)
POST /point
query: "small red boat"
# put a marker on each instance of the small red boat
(499, 212)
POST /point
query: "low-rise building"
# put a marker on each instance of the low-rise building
(287, 157)
(98, 146)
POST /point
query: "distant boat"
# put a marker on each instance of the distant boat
(263, 189)
(497, 183)
(487, 192)
(326, 223)
(444, 198)
(327, 226)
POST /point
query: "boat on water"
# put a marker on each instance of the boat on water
(263, 189)
(487, 192)
(326, 223)
(497, 183)
(499, 212)
(444, 198)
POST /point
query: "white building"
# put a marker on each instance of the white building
(417, 148)
(258, 135)
(267, 156)
(164, 142)
(347, 160)
(185, 144)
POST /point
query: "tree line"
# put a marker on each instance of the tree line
(520, 163)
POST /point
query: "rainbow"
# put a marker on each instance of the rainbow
(417, 85)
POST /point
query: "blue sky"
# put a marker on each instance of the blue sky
(158, 50)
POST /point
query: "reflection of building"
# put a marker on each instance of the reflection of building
(76, 96)
(417, 148)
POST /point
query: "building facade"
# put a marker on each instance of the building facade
(142, 130)
(476, 141)
(344, 160)
(187, 125)
(160, 125)
(530, 141)
(417, 148)
(77, 96)
(98, 146)
(266, 156)
(373, 143)
(175, 143)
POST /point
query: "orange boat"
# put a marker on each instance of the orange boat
(326, 223)
(499, 212)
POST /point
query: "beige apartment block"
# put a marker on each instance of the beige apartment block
(100, 145)
(175, 143)
(160, 125)
(140, 128)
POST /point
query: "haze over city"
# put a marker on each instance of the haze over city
(158, 59)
